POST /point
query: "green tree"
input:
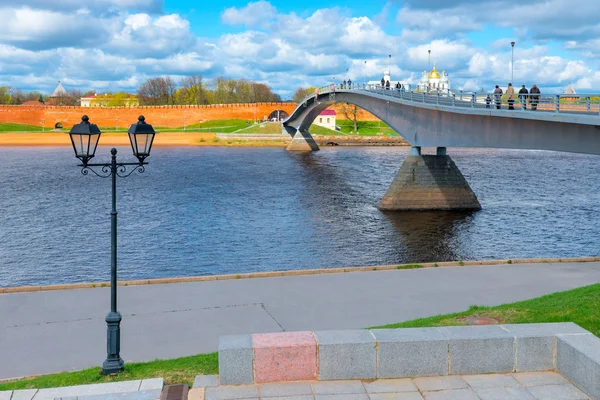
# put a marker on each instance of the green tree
(301, 93)
(5, 95)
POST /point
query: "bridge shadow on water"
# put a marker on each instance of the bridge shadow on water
(429, 236)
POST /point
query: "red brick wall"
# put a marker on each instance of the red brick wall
(165, 116)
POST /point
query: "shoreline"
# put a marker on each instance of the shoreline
(300, 272)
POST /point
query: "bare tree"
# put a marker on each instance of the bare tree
(301, 93)
(350, 111)
(192, 91)
(157, 91)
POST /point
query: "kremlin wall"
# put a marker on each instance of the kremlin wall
(160, 116)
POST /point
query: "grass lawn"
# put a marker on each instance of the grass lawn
(261, 128)
(320, 130)
(581, 306)
(366, 128)
(217, 125)
(9, 127)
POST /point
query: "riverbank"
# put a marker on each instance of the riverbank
(204, 311)
(195, 139)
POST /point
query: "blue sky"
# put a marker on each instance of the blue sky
(111, 45)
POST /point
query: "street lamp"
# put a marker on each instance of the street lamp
(85, 137)
(512, 63)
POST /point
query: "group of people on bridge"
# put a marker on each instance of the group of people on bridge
(532, 96)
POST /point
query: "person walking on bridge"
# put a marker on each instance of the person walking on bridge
(498, 96)
(523, 96)
(382, 83)
(534, 95)
(510, 94)
(344, 87)
(387, 85)
(349, 84)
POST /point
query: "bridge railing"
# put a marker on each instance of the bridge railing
(557, 103)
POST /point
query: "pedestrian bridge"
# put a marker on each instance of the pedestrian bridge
(568, 123)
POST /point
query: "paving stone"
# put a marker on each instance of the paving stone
(548, 329)
(440, 383)
(557, 392)
(88, 390)
(342, 397)
(504, 393)
(390, 385)
(285, 389)
(151, 384)
(206, 381)
(311, 397)
(479, 349)
(490, 381)
(236, 358)
(5, 394)
(284, 356)
(231, 392)
(348, 354)
(411, 352)
(539, 378)
(24, 394)
(196, 394)
(338, 387)
(578, 358)
(456, 394)
(396, 396)
(143, 395)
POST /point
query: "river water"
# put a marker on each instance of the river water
(212, 210)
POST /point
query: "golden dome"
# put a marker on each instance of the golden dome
(434, 74)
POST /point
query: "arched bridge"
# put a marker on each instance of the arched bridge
(569, 123)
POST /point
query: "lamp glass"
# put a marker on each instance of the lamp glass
(141, 136)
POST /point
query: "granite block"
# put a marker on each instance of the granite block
(206, 381)
(342, 397)
(535, 343)
(349, 354)
(285, 389)
(411, 352)
(578, 359)
(557, 392)
(479, 349)
(155, 384)
(196, 394)
(285, 356)
(24, 394)
(236, 358)
(301, 397)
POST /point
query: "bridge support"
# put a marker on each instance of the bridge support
(429, 182)
(302, 141)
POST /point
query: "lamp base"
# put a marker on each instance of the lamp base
(113, 363)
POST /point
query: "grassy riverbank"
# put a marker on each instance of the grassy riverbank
(581, 306)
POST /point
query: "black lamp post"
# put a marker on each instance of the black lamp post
(85, 138)
(512, 63)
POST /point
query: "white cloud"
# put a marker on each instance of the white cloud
(255, 14)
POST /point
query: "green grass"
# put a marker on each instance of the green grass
(217, 125)
(266, 127)
(179, 370)
(320, 130)
(581, 306)
(10, 127)
(366, 128)
(409, 266)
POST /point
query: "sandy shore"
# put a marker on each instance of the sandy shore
(108, 139)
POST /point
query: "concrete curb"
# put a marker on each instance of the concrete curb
(300, 272)
(408, 353)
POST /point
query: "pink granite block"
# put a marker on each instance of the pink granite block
(286, 356)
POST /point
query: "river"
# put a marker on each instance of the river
(214, 210)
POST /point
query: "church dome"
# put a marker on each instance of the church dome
(434, 74)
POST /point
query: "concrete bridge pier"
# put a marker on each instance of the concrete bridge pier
(429, 182)
(301, 141)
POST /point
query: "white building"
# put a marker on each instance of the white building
(326, 119)
(387, 78)
(87, 101)
(434, 82)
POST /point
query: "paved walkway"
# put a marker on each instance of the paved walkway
(519, 386)
(44, 332)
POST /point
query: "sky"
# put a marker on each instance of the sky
(115, 45)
